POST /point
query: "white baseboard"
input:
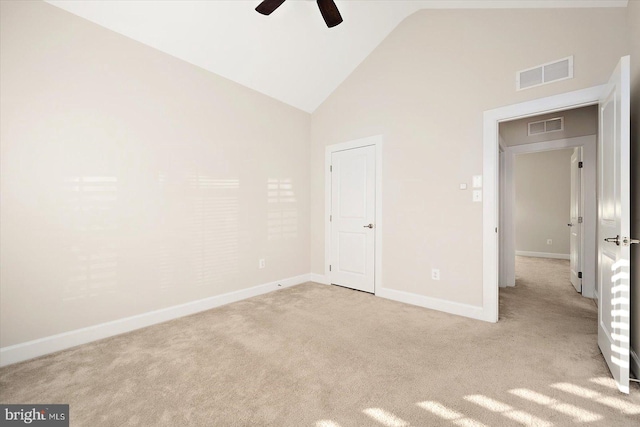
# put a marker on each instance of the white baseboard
(543, 255)
(320, 278)
(634, 361)
(451, 307)
(40, 347)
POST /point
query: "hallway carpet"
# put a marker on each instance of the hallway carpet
(325, 356)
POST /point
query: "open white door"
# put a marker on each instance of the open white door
(575, 224)
(353, 204)
(614, 224)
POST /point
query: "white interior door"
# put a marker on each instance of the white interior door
(614, 224)
(575, 221)
(353, 180)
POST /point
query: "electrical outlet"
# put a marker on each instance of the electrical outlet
(477, 195)
(261, 263)
(477, 181)
(549, 242)
(435, 274)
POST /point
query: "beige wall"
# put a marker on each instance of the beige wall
(133, 181)
(425, 89)
(577, 122)
(543, 195)
(633, 16)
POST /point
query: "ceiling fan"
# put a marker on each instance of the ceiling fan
(328, 9)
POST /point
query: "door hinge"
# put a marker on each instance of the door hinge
(579, 220)
(329, 267)
(580, 275)
(330, 218)
(580, 165)
(330, 168)
(496, 229)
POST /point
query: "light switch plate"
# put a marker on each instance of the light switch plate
(477, 195)
(463, 186)
(477, 181)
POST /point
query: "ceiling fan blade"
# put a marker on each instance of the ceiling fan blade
(330, 12)
(268, 6)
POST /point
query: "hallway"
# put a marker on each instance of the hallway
(543, 291)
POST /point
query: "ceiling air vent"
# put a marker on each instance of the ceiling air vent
(545, 126)
(545, 73)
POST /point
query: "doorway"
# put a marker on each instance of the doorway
(491, 171)
(353, 214)
(547, 193)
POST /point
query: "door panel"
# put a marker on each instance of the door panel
(352, 254)
(575, 223)
(614, 224)
(353, 179)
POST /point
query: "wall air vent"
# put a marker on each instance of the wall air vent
(546, 73)
(546, 126)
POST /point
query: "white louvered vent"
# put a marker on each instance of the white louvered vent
(545, 126)
(546, 73)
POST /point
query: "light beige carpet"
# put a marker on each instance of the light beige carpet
(325, 356)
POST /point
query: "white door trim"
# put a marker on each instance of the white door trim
(330, 149)
(507, 223)
(490, 164)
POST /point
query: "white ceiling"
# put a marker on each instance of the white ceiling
(290, 55)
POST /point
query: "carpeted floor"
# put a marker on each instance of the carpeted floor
(325, 356)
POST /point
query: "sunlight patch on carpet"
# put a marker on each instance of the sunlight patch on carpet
(385, 418)
(612, 402)
(578, 414)
(445, 413)
(327, 423)
(507, 411)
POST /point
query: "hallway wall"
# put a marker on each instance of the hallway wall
(542, 202)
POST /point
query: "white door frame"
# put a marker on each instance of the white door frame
(329, 150)
(588, 199)
(490, 204)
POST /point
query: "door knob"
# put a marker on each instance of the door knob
(615, 240)
(368, 226)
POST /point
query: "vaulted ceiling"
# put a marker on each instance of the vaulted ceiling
(290, 55)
